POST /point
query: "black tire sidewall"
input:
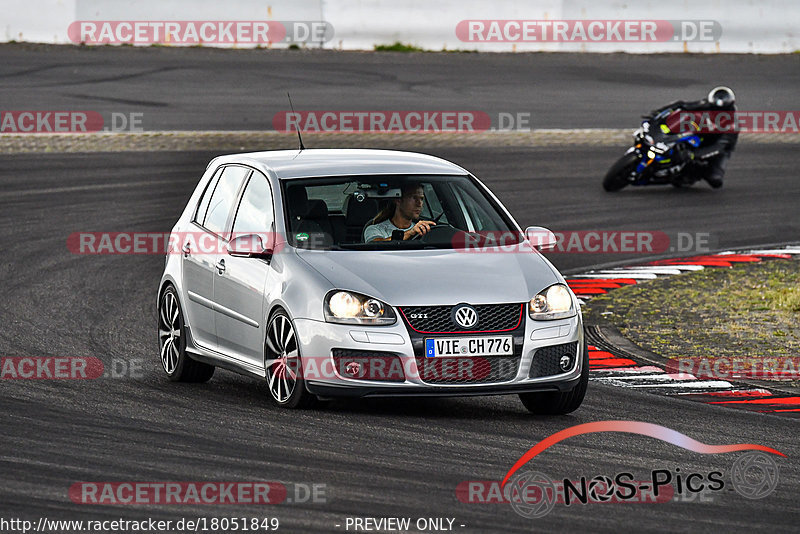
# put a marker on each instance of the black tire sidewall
(613, 181)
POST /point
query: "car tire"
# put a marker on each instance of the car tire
(617, 176)
(283, 364)
(175, 361)
(560, 402)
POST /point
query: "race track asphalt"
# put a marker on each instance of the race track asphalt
(213, 89)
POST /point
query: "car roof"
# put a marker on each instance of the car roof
(287, 164)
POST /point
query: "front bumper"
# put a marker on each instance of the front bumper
(319, 339)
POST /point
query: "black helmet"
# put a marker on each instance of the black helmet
(721, 97)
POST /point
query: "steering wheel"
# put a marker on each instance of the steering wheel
(439, 227)
(446, 226)
(432, 228)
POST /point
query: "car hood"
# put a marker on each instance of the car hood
(435, 277)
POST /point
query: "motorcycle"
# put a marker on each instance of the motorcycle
(660, 155)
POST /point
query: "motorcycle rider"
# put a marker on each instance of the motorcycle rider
(711, 158)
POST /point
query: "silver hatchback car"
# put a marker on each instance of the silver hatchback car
(365, 273)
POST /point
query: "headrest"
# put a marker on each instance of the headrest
(298, 200)
(357, 213)
(317, 209)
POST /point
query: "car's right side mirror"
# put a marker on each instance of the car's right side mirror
(541, 238)
(249, 246)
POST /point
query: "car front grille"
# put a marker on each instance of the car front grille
(546, 360)
(438, 319)
(468, 370)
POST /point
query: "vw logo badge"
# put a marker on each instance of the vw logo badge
(465, 316)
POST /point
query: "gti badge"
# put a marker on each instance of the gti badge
(465, 316)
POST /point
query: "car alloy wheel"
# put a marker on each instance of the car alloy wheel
(284, 365)
(169, 332)
(283, 358)
(172, 340)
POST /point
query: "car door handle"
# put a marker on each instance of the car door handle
(187, 249)
(220, 266)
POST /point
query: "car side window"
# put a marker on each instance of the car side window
(224, 198)
(202, 207)
(255, 215)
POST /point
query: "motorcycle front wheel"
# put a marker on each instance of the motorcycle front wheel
(617, 176)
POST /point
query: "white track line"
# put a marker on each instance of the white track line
(607, 274)
(674, 267)
(681, 384)
(663, 377)
(738, 392)
(654, 270)
(631, 370)
(793, 251)
(689, 384)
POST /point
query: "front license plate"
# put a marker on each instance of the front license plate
(469, 346)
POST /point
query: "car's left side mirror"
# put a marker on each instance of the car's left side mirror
(541, 238)
(249, 246)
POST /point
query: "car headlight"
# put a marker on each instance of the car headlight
(347, 307)
(555, 302)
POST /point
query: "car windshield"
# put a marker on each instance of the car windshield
(363, 213)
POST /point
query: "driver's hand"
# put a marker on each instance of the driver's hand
(421, 228)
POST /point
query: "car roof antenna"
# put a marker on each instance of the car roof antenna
(300, 137)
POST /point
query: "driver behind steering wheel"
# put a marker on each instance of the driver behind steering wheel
(399, 216)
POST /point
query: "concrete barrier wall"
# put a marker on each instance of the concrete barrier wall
(747, 26)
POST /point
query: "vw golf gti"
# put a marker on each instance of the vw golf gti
(363, 273)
